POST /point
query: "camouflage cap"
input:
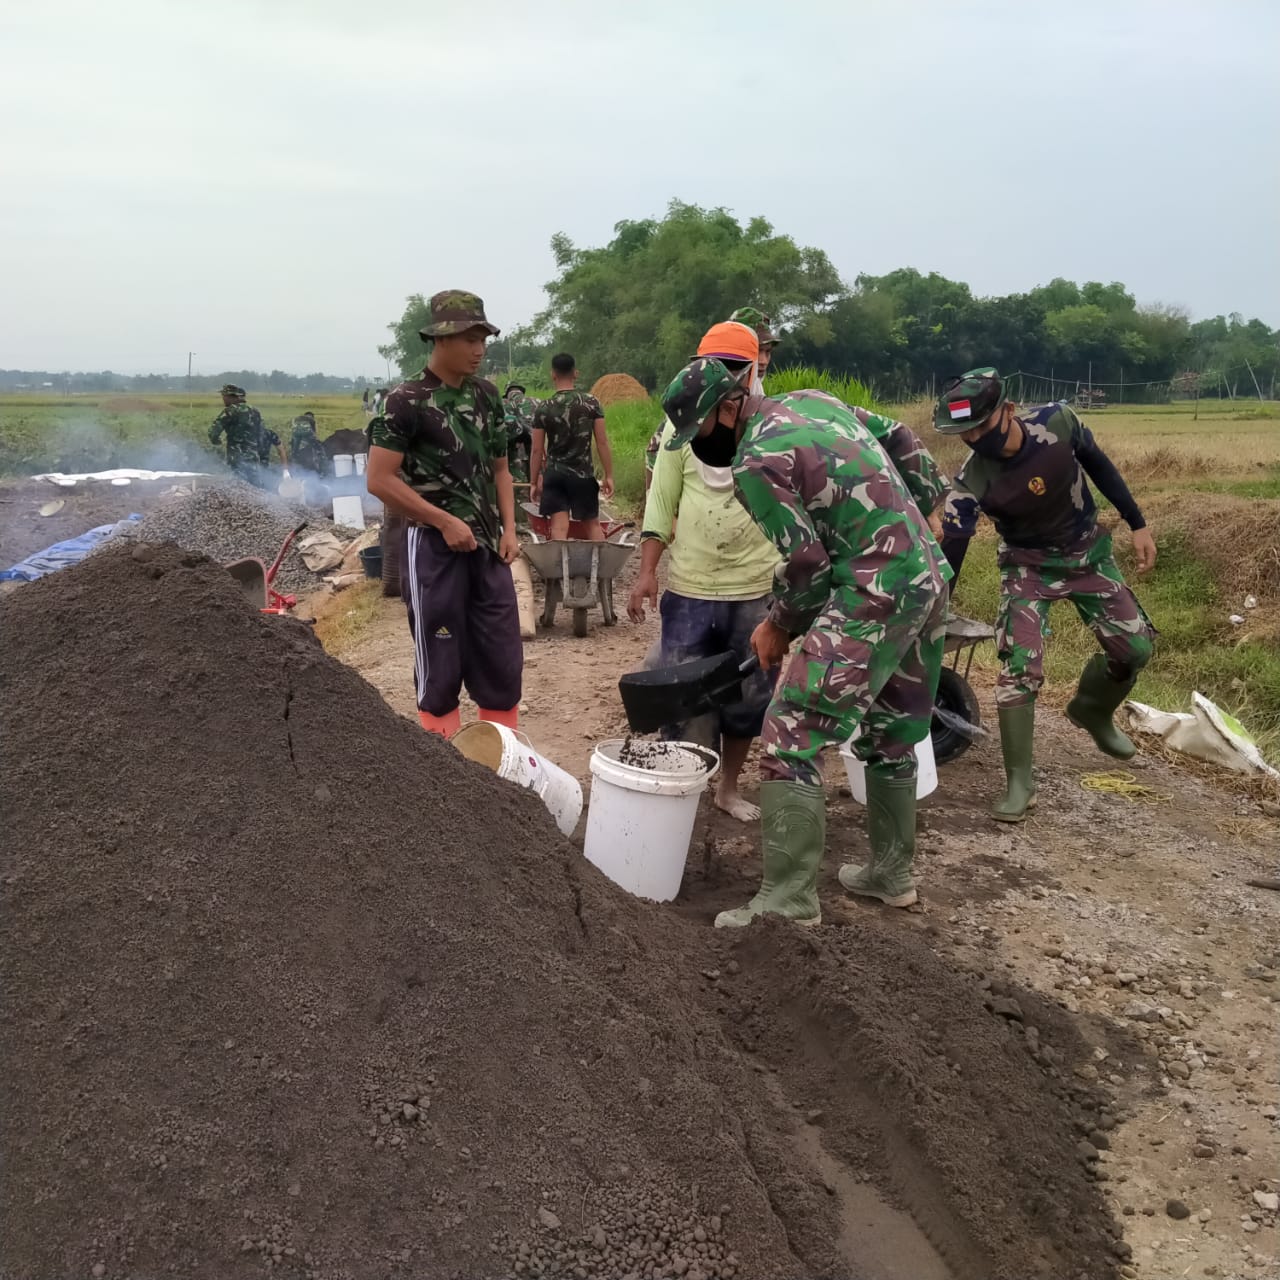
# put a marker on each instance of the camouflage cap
(230, 389)
(759, 322)
(695, 392)
(968, 400)
(455, 311)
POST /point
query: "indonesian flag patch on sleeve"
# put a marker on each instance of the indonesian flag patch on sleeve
(961, 409)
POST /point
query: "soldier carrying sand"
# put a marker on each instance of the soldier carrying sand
(843, 495)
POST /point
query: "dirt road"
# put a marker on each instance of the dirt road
(1134, 916)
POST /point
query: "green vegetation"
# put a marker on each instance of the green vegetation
(639, 303)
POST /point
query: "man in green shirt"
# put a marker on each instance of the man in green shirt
(563, 429)
(242, 427)
(438, 457)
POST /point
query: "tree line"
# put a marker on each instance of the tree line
(639, 304)
(278, 382)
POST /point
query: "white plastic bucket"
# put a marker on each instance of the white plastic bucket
(511, 755)
(361, 460)
(344, 464)
(349, 512)
(926, 771)
(640, 820)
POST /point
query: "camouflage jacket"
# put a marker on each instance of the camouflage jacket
(241, 425)
(267, 440)
(448, 438)
(840, 492)
(305, 449)
(651, 449)
(1038, 498)
(520, 412)
(569, 419)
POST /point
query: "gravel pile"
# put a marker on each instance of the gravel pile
(231, 521)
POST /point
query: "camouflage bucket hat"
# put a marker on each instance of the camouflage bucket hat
(455, 311)
(230, 389)
(759, 322)
(968, 401)
(694, 393)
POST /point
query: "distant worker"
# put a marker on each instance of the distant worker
(305, 448)
(842, 494)
(241, 425)
(719, 580)
(268, 440)
(380, 400)
(1027, 473)
(560, 468)
(439, 458)
(520, 410)
(364, 402)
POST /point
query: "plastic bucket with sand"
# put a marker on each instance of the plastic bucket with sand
(644, 799)
(511, 756)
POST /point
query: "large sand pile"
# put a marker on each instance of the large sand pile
(614, 388)
(289, 982)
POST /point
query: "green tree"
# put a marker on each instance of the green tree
(406, 348)
(640, 303)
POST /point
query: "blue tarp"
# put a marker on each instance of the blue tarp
(62, 554)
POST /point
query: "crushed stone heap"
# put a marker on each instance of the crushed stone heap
(293, 987)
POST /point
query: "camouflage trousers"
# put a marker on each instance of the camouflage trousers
(1089, 577)
(862, 668)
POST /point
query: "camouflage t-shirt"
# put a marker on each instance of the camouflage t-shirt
(839, 492)
(305, 449)
(569, 419)
(1038, 498)
(449, 438)
(239, 423)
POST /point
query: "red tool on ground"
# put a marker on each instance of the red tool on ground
(255, 579)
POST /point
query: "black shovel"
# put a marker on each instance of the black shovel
(669, 695)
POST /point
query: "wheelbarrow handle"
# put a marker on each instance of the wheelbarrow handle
(284, 550)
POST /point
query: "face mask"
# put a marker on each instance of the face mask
(717, 448)
(992, 444)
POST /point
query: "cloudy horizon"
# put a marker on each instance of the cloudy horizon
(265, 183)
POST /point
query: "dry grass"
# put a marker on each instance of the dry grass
(344, 618)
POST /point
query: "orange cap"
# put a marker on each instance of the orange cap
(730, 340)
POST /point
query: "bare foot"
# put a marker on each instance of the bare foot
(728, 799)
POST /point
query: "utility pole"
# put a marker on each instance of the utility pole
(189, 397)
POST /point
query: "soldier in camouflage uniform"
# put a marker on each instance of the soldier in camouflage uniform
(242, 426)
(438, 457)
(1027, 472)
(520, 408)
(840, 493)
(563, 428)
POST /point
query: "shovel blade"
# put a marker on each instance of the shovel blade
(668, 695)
(251, 576)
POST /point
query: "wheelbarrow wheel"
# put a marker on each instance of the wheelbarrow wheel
(954, 695)
(550, 602)
(606, 603)
(581, 622)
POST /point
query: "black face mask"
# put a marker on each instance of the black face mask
(717, 448)
(992, 444)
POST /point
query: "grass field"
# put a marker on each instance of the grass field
(1210, 489)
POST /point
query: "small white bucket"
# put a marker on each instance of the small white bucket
(349, 512)
(361, 460)
(640, 820)
(926, 771)
(344, 464)
(511, 755)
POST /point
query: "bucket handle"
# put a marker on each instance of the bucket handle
(711, 757)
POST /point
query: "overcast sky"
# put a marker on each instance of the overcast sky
(264, 181)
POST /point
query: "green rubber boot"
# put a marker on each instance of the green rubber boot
(1017, 745)
(891, 830)
(1096, 700)
(793, 821)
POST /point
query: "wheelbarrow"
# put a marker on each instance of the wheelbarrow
(255, 579)
(669, 695)
(957, 722)
(578, 575)
(541, 525)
